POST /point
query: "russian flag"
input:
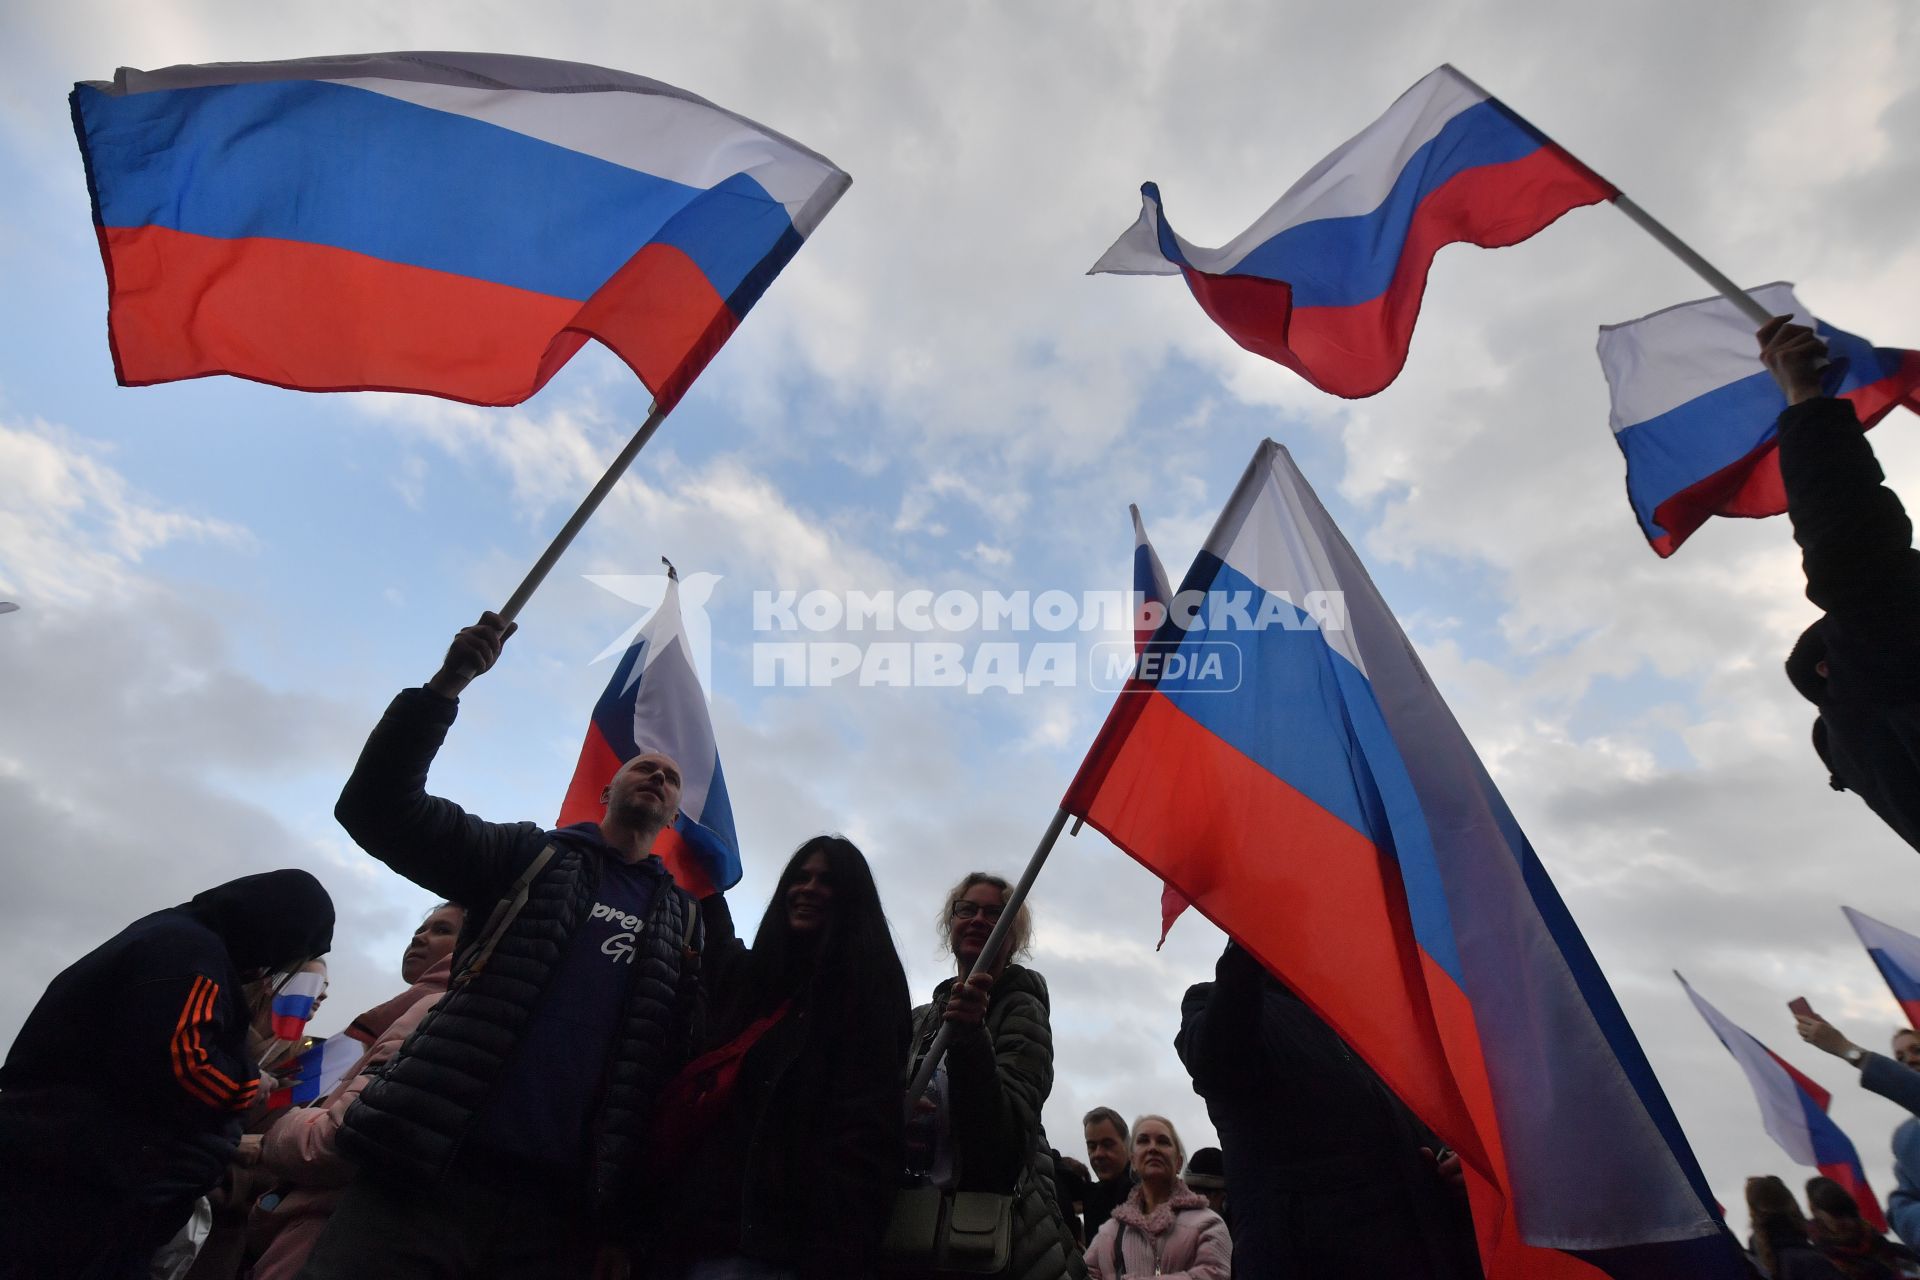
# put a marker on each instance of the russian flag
(1152, 598)
(457, 224)
(1694, 409)
(317, 1071)
(1328, 281)
(293, 1004)
(1794, 1110)
(1897, 955)
(654, 703)
(1303, 784)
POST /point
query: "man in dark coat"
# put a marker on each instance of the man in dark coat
(1329, 1176)
(506, 1136)
(1110, 1162)
(1860, 663)
(122, 1098)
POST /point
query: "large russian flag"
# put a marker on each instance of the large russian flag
(1315, 798)
(1897, 955)
(451, 223)
(1794, 1110)
(654, 703)
(1328, 281)
(1694, 409)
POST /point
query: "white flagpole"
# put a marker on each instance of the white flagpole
(989, 954)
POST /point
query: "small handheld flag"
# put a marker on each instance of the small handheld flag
(1897, 955)
(294, 1002)
(315, 1072)
(457, 224)
(1794, 1110)
(1693, 408)
(1328, 281)
(654, 703)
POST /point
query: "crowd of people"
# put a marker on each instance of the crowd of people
(585, 1071)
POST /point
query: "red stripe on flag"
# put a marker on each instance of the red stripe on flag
(595, 769)
(1308, 895)
(686, 869)
(661, 315)
(1357, 351)
(317, 318)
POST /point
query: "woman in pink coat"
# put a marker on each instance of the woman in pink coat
(300, 1150)
(1163, 1228)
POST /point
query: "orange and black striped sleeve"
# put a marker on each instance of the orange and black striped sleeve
(206, 1074)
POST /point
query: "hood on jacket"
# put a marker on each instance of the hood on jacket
(272, 920)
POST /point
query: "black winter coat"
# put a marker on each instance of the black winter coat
(1324, 1172)
(1857, 550)
(802, 1174)
(411, 1119)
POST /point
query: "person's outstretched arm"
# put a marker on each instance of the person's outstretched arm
(1220, 1039)
(1855, 537)
(385, 806)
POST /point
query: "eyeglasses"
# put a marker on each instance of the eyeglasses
(964, 910)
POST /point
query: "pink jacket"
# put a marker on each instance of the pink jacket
(300, 1148)
(1181, 1240)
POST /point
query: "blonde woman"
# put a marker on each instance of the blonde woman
(1163, 1228)
(978, 1127)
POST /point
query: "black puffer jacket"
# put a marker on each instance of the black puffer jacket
(411, 1119)
(1857, 549)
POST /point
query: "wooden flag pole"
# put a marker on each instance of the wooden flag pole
(584, 512)
(989, 954)
(1673, 244)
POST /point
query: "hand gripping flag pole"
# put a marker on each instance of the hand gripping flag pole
(990, 954)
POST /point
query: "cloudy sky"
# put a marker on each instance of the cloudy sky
(221, 584)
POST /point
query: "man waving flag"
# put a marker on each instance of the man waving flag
(1311, 793)
(654, 703)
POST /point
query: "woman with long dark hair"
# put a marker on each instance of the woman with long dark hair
(783, 1138)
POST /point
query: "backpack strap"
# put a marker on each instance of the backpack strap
(504, 913)
(1119, 1269)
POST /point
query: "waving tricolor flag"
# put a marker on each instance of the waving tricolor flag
(451, 223)
(1794, 1110)
(654, 703)
(1152, 597)
(1897, 955)
(1302, 783)
(1328, 281)
(315, 1072)
(294, 1002)
(1694, 409)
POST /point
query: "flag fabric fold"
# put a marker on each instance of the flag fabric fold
(1328, 282)
(1794, 1110)
(1315, 798)
(457, 224)
(1897, 955)
(654, 703)
(1152, 597)
(1693, 408)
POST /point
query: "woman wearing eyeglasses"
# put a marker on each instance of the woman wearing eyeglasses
(978, 1127)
